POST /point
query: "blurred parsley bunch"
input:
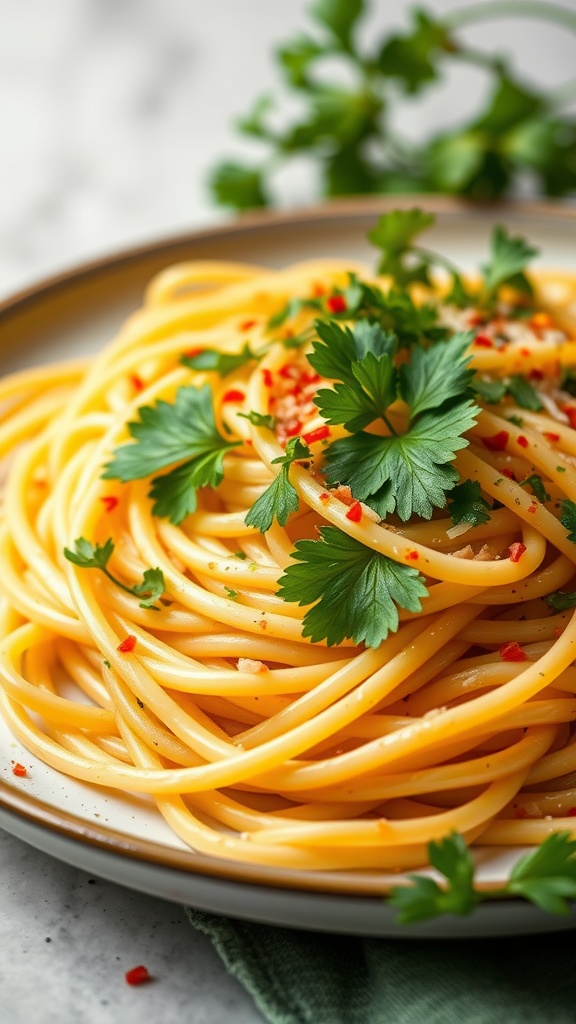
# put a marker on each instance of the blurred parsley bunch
(347, 130)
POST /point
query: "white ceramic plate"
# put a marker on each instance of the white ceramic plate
(124, 839)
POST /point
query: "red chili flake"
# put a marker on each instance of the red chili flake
(476, 319)
(523, 441)
(412, 555)
(247, 325)
(310, 378)
(137, 975)
(325, 496)
(294, 429)
(525, 352)
(533, 507)
(127, 645)
(288, 371)
(570, 411)
(109, 501)
(497, 442)
(320, 434)
(509, 473)
(191, 353)
(263, 624)
(512, 652)
(336, 304)
(516, 551)
(483, 341)
(354, 513)
(137, 382)
(551, 435)
(18, 769)
(267, 376)
(233, 395)
(536, 375)
(558, 632)
(572, 812)
(318, 291)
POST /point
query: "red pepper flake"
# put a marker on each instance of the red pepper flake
(109, 501)
(536, 374)
(523, 441)
(137, 382)
(570, 411)
(267, 377)
(497, 442)
(191, 353)
(476, 319)
(336, 304)
(354, 513)
(550, 435)
(516, 551)
(247, 325)
(325, 496)
(509, 473)
(310, 378)
(525, 352)
(533, 507)
(294, 429)
(512, 652)
(318, 290)
(127, 645)
(483, 341)
(320, 434)
(137, 975)
(412, 555)
(233, 395)
(558, 631)
(18, 769)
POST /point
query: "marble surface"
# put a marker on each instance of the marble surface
(111, 114)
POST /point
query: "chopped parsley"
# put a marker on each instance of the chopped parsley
(97, 556)
(466, 504)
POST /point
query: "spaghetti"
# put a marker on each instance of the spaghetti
(256, 743)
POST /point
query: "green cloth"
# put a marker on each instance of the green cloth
(298, 977)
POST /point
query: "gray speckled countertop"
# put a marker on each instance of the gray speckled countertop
(111, 114)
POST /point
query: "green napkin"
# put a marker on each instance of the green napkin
(298, 977)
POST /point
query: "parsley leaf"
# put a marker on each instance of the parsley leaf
(394, 235)
(491, 391)
(354, 591)
(280, 498)
(408, 473)
(524, 393)
(508, 259)
(169, 433)
(222, 362)
(535, 482)
(97, 556)
(425, 899)
(259, 419)
(466, 504)
(337, 348)
(561, 601)
(547, 875)
(568, 518)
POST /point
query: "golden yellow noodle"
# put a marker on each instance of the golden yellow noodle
(256, 744)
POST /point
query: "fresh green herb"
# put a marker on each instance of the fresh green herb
(508, 260)
(169, 433)
(516, 420)
(241, 555)
(232, 594)
(561, 601)
(536, 483)
(293, 307)
(354, 591)
(281, 497)
(546, 876)
(406, 472)
(491, 391)
(220, 362)
(466, 504)
(258, 419)
(349, 130)
(524, 393)
(97, 556)
(568, 518)
(107, 663)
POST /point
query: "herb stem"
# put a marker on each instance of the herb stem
(513, 8)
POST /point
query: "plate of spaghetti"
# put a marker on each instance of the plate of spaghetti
(288, 568)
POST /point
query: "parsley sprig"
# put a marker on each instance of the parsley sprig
(281, 497)
(406, 472)
(349, 130)
(546, 877)
(182, 432)
(97, 556)
(354, 591)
